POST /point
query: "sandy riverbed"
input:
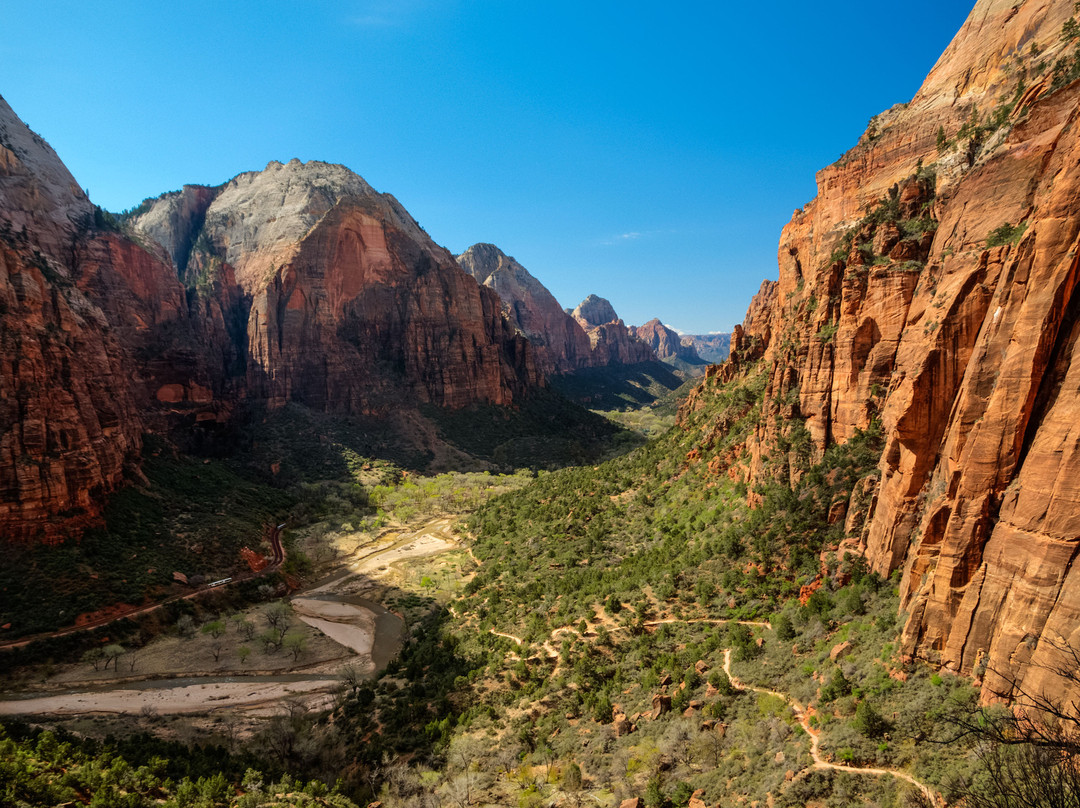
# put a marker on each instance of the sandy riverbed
(188, 699)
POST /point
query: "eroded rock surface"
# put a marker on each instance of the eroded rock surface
(931, 285)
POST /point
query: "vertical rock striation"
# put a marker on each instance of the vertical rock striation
(611, 341)
(932, 284)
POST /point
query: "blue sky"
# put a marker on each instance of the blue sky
(646, 152)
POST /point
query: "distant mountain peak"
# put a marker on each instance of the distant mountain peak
(595, 311)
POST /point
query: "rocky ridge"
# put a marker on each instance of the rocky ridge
(666, 343)
(931, 285)
(611, 341)
(336, 270)
(561, 343)
(299, 283)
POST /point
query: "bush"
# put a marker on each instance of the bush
(1006, 234)
(868, 721)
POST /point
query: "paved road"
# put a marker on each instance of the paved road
(272, 534)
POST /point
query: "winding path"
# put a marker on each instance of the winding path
(815, 738)
(800, 711)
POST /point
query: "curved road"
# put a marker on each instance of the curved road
(202, 694)
(272, 535)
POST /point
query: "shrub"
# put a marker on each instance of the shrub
(1006, 234)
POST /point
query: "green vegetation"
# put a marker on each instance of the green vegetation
(828, 331)
(618, 387)
(545, 431)
(1067, 68)
(1006, 234)
(913, 225)
(193, 518)
(46, 768)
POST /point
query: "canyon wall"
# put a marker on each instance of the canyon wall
(666, 343)
(298, 283)
(561, 344)
(351, 305)
(931, 286)
(611, 341)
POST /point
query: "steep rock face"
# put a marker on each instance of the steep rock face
(611, 341)
(68, 417)
(352, 306)
(40, 202)
(560, 342)
(594, 311)
(69, 421)
(911, 292)
(174, 221)
(665, 342)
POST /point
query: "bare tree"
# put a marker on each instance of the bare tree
(1030, 755)
(277, 616)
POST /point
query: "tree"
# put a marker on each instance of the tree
(1029, 755)
(112, 653)
(243, 652)
(214, 628)
(572, 780)
(95, 656)
(295, 644)
(270, 641)
(277, 616)
(785, 631)
(868, 721)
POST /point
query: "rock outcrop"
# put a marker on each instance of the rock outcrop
(932, 286)
(83, 310)
(611, 341)
(295, 284)
(69, 423)
(561, 343)
(666, 344)
(352, 306)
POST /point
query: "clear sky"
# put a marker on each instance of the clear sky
(647, 152)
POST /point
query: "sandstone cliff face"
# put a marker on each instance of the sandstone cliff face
(666, 344)
(560, 342)
(611, 341)
(300, 283)
(68, 418)
(40, 202)
(69, 422)
(892, 304)
(352, 307)
(174, 221)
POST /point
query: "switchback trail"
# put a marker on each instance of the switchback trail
(800, 711)
(815, 738)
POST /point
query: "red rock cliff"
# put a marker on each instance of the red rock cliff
(611, 341)
(352, 306)
(932, 284)
(561, 343)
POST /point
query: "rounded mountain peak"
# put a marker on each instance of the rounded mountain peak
(595, 311)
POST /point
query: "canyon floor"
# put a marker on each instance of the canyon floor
(345, 627)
